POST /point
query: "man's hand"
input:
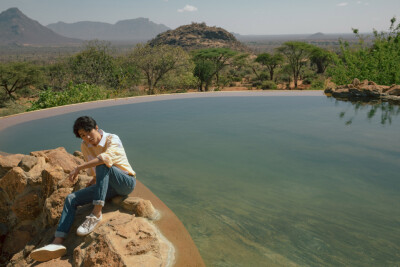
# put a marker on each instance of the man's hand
(93, 181)
(73, 174)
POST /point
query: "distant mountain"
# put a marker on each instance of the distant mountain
(17, 29)
(318, 35)
(140, 29)
(198, 35)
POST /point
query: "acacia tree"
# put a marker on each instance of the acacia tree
(271, 62)
(155, 62)
(204, 71)
(321, 58)
(296, 53)
(16, 76)
(219, 57)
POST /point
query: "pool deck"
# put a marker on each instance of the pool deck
(172, 228)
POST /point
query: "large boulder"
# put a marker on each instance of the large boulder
(59, 157)
(123, 240)
(8, 162)
(26, 207)
(14, 182)
(53, 205)
(394, 90)
(27, 162)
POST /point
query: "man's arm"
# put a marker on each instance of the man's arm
(93, 163)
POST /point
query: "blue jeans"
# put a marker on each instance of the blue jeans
(110, 182)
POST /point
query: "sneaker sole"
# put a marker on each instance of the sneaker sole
(46, 255)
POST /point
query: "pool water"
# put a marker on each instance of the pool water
(258, 181)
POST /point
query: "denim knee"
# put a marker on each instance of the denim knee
(101, 168)
(70, 200)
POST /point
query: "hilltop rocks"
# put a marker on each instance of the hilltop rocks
(198, 36)
(365, 91)
(32, 193)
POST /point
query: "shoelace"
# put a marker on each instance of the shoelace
(89, 221)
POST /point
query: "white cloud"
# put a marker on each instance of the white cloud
(188, 8)
(359, 2)
(343, 4)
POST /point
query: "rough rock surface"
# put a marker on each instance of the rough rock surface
(198, 36)
(364, 91)
(32, 192)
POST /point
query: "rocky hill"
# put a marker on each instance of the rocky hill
(140, 29)
(17, 29)
(197, 36)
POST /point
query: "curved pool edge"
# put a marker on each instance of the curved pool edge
(11, 120)
(186, 252)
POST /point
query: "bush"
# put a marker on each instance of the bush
(74, 94)
(307, 80)
(256, 84)
(379, 63)
(10, 107)
(268, 85)
(236, 79)
(318, 84)
(178, 81)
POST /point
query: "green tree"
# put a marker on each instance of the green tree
(379, 62)
(271, 62)
(16, 76)
(125, 74)
(204, 70)
(59, 74)
(94, 65)
(220, 57)
(321, 58)
(155, 62)
(296, 53)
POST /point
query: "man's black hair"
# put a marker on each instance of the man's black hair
(85, 123)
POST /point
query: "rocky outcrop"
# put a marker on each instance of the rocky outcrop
(364, 91)
(198, 36)
(32, 192)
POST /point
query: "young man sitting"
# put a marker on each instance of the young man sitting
(106, 160)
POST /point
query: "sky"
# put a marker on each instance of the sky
(261, 17)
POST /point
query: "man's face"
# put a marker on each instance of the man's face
(92, 137)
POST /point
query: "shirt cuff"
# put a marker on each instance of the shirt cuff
(106, 159)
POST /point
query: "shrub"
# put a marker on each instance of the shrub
(74, 94)
(10, 107)
(268, 85)
(256, 83)
(307, 80)
(236, 79)
(318, 84)
(379, 62)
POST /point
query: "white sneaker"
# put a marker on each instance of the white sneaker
(88, 225)
(48, 252)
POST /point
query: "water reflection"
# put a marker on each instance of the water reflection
(383, 110)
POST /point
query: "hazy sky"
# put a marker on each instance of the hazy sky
(239, 16)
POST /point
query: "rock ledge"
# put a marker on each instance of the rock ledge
(32, 192)
(365, 91)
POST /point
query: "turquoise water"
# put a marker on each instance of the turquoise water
(259, 181)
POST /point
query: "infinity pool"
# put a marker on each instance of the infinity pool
(258, 181)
